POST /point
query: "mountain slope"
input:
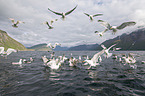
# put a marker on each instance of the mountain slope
(132, 41)
(7, 42)
(40, 47)
(83, 47)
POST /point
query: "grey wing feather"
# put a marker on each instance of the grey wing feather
(86, 14)
(48, 24)
(125, 24)
(104, 23)
(97, 15)
(55, 12)
(70, 11)
(111, 46)
(105, 30)
(96, 31)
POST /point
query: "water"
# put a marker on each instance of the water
(109, 79)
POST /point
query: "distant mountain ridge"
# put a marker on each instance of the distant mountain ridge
(40, 47)
(84, 47)
(7, 42)
(132, 41)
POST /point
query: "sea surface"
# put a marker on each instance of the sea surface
(110, 78)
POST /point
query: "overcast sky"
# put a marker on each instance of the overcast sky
(76, 29)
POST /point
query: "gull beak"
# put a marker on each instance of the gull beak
(84, 61)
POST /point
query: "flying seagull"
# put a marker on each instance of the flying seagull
(52, 46)
(115, 28)
(15, 24)
(91, 16)
(94, 61)
(101, 33)
(107, 50)
(6, 53)
(63, 14)
(50, 25)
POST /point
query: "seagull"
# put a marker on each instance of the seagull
(73, 62)
(63, 14)
(54, 64)
(115, 28)
(107, 50)
(91, 16)
(15, 24)
(115, 49)
(50, 25)
(94, 60)
(28, 61)
(101, 33)
(45, 60)
(6, 53)
(143, 62)
(130, 59)
(18, 63)
(114, 57)
(1, 50)
(52, 46)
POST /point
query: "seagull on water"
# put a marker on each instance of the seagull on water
(91, 16)
(63, 14)
(15, 24)
(101, 33)
(73, 62)
(115, 28)
(18, 63)
(54, 64)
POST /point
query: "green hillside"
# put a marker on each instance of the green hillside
(40, 47)
(7, 42)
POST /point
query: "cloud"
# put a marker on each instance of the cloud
(76, 28)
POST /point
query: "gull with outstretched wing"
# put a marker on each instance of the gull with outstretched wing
(91, 16)
(63, 14)
(115, 28)
(15, 24)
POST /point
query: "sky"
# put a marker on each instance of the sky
(76, 29)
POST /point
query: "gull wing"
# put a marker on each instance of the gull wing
(86, 14)
(103, 46)
(105, 24)
(125, 24)
(45, 60)
(57, 43)
(70, 11)
(10, 50)
(12, 20)
(57, 13)
(97, 15)
(49, 45)
(21, 22)
(96, 56)
(1, 50)
(17, 22)
(111, 46)
(105, 30)
(48, 24)
(96, 31)
(51, 22)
